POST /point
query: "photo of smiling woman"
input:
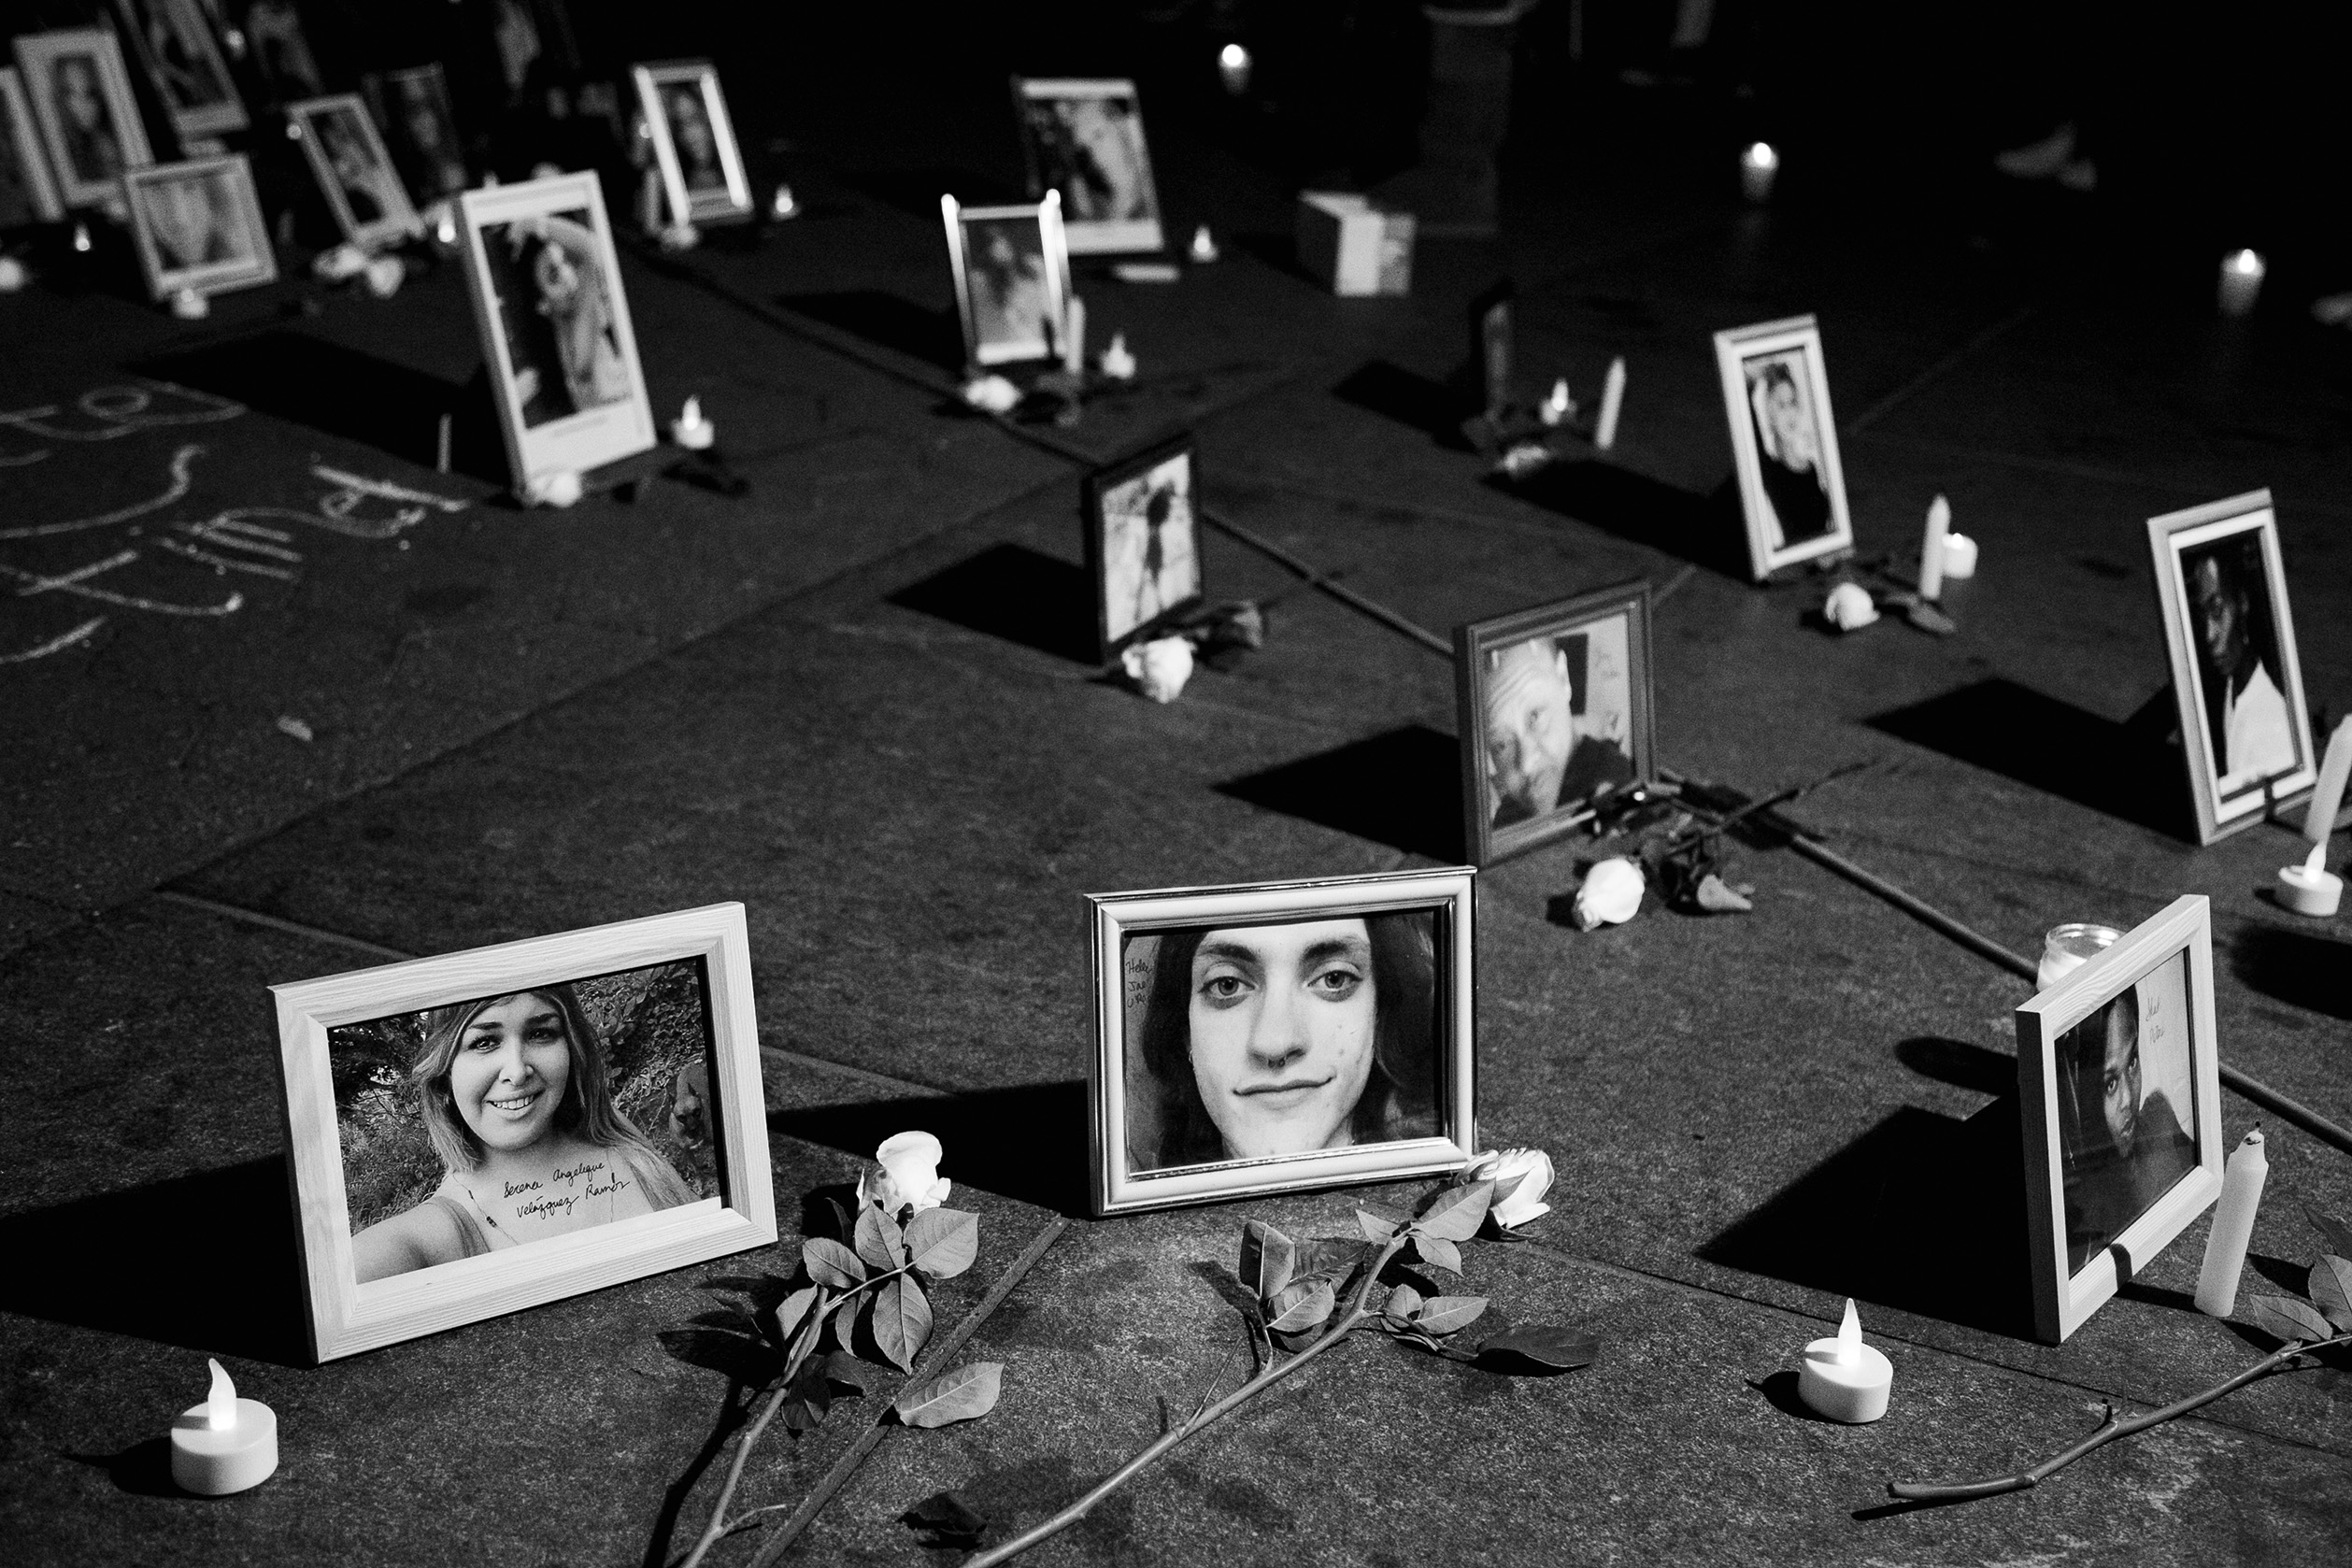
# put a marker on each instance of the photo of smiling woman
(1263, 1040)
(508, 1127)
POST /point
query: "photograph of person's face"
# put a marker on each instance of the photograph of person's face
(513, 1065)
(1093, 154)
(690, 133)
(1531, 729)
(2128, 1108)
(1011, 305)
(1282, 1022)
(2250, 724)
(2217, 607)
(1151, 560)
(195, 220)
(1783, 415)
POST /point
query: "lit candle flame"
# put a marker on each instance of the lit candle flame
(219, 1406)
(1560, 400)
(692, 415)
(2245, 262)
(1233, 57)
(1759, 156)
(1849, 1336)
(2315, 863)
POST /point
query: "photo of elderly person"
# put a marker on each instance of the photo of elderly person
(515, 1097)
(1150, 556)
(2123, 1141)
(1558, 718)
(2238, 667)
(1012, 306)
(1788, 448)
(562, 334)
(1256, 1041)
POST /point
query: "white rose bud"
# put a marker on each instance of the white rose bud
(1526, 1202)
(909, 1175)
(1611, 894)
(1158, 668)
(559, 487)
(992, 395)
(1849, 607)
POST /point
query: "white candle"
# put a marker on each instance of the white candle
(2242, 273)
(2334, 770)
(1759, 166)
(226, 1444)
(1232, 65)
(2311, 888)
(1074, 336)
(1932, 551)
(785, 205)
(1844, 1378)
(1204, 245)
(1612, 403)
(1959, 557)
(690, 430)
(1557, 405)
(2067, 947)
(2233, 1228)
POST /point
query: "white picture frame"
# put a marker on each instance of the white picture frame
(98, 137)
(2204, 557)
(347, 1317)
(2096, 1217)
(175, 45)
(562, 353)
(1083, 139)
(197, 226)
(1756, 365)
(722, 192)
(347, 157)
(21, 144)
(1415, 923)
(1014, 298)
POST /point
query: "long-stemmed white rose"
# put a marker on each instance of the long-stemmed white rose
(1521, 1177)
(908, 1177)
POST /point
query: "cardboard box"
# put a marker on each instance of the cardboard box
(1354, 247)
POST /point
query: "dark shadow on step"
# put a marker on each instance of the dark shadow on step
(1402, 789)
(1704, 530)
(1014, 592)
(2300, 968)
(1003, 1141)
(888, 321)
(1434, 407)
(2053, 746)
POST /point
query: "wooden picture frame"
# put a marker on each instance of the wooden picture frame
(27, 173)
(175, 46)
(545, 279)
(2112, 1176)
(1572, 716)
(1083, 139)
(1381, 1088)
(2246, 734)
(197, 226)
(80, 97)
(348, 158)
(1014, 296)
(699, 184)
(1145, 568)
(1784, 443)
(347, 1314)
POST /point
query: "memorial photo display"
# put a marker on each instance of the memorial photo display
(28, 194)
(1279, 1037)
(2119, 1077)
(1784, 443)
(1012, 279)
(198, 226)
(412, 107)
(176, 48)
(1553, 707)
(561, 1125)
(279, 52)
(1084, 141)
(355, 171)
(693, 142)
(1143, 543)
(2221, 587)
(81, 100)
(555, 326)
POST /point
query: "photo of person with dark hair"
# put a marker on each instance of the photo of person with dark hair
(556, 307)
(1256, 1041)
(1091, 149)
(1788, 448)
(2239, 673)
(1012, 304)
(1151, 560)
(2126, 1105)
(690, 135)
(504, 1128)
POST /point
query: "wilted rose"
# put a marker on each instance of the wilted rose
(1611, 894)
(1534, 1168)
(909, 1175)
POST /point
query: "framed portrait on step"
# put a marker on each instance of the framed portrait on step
(1784, 443)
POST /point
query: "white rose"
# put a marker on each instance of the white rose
(1611, 894)
(1850, 607)
(1526, 1202)
(1160, 667)
(992, 395)
(909, 1175)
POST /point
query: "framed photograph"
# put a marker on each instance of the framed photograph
(354, 170)
(198, 226)
(1784, 442)
(279, 51)
(2119, 1081)
(180, 56)
(693, 142)
(420, 130)
(81, 101)
(492, 1129)
(1143, 543)
(1012, 279)
(2245, 730)
(28, 194)
(554, 323)
(1084, 141)
(1279, 1037)
(1553, 707)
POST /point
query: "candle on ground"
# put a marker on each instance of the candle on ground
(1612, 403)
(2233, 1228)
(1959, 557)
(226, 1444)
(2335, 770)
(1233, 67)
(1844, 1378)
(2242, 273)
(2311, 888)
(1204, 245)
(690, 430)
(1557, 405)
(2067, 947)
(1074, 337)
(1759, 166)
(785, 205)
(1931, 552)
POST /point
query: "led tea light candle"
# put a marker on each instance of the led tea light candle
(1205, 245)
(1932, 551)
(226, 1444)
(1233, 67)
(2233, 1228)
(2311, 888)
(1959, 557)
(2335, 770)
(1117, 362)
(690, 430)
(1612, 403)
(2067, 947)
(785, 205)
(1557, 405)
(1843, 1379)
(2242, 273)
(1760, 165)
